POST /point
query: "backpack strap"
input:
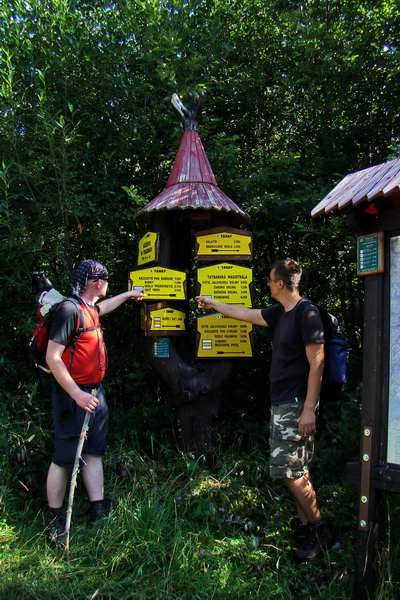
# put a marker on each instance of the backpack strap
(79, 329)
(300, 308)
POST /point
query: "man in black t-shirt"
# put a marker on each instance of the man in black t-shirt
(295, 383)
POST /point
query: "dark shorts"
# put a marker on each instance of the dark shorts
(290, 454)
(68, 420)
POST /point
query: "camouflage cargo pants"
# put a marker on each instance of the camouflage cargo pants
(290, 454)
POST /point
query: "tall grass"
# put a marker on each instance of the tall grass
(181, 528)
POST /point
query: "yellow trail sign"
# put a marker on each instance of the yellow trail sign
(160, 283)
(162, 319)
(148, 248)
(225, 243)
(227, 283)
(223, 337)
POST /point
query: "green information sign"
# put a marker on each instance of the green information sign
(370, 254)
(161, 347)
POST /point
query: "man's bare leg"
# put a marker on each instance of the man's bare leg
(93, 477)
(305, 498)
(56, 485)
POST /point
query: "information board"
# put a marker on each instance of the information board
(159, 283)
(222, 337)
(225, 243)
(226, 282)
(370, 253)
(148, 248)
(162, 319)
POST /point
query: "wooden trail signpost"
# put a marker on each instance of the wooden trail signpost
(193, 234)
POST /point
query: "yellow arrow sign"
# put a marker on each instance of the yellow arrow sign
(223, 337)
(160, 283)
(167, 319)
(223, 242)
(161, 319)
(226, 282)
(148, 248)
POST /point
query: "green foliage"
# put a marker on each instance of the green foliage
(298, 95)
(25, 440)
(389, 554)
(182, 525)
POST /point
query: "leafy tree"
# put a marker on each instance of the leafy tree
(298, 94)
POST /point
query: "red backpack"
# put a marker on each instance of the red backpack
(38, 340)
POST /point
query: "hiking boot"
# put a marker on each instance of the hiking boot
(316, 540)
(299, 529)
(55, 531)
(98, 510)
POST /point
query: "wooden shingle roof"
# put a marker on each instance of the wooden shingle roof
(191, 185)
(379, 184)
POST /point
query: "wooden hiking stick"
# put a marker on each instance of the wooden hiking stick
(75, 470)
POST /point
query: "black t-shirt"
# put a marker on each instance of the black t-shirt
(65, 323)
(289, 368)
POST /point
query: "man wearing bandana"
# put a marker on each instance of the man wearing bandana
(78, 370)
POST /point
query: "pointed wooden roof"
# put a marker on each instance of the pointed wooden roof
(378, 187)
(191, 185)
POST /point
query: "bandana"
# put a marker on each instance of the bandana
(87, 269)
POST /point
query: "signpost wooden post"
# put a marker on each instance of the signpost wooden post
(192, 206)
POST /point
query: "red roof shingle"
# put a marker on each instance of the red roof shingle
(366, 185)
(191, 184)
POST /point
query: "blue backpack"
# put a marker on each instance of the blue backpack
(336, 344)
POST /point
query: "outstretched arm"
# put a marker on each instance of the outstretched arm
(110, 304)
(241, 313)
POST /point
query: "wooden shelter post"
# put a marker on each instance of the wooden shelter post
(371, 201)
(372, 508)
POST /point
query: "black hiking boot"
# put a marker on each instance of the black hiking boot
(316, 540)
(99, 509)
(300, 530)
(55, 531)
